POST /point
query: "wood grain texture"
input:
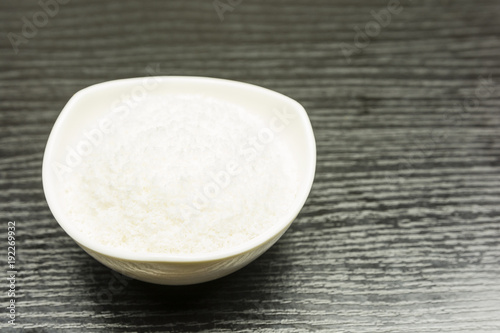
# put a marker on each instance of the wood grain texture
(401, 230)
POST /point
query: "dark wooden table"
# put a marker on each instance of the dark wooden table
(401, 230)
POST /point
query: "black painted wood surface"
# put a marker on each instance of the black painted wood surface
(401, 230)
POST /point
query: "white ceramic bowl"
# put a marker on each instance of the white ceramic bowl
(90, 104)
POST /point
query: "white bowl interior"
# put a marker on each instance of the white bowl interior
(87, 107)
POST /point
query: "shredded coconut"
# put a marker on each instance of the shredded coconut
(181, 174)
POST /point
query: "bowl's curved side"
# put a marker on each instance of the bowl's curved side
(181, 273)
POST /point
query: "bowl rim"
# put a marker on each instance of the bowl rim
(278, 227)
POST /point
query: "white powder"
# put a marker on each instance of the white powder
(182, 175)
